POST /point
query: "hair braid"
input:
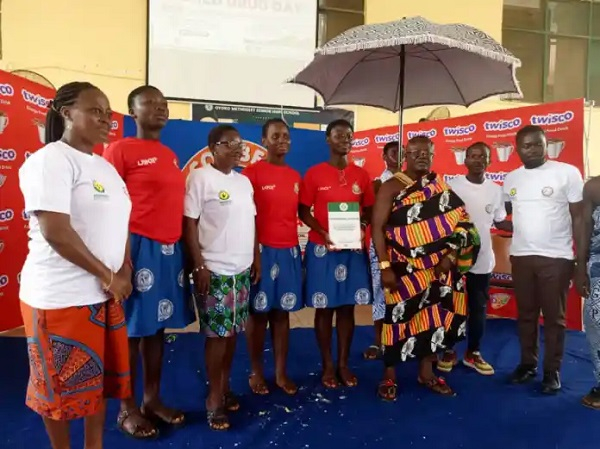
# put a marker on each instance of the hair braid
(65, 96)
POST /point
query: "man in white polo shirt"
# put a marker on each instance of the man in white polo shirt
(546, 199)
(485, 205)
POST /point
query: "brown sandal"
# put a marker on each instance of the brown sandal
(330, 382)
(289, 388)
(259, 387)
(592, 399)
(437, 385)
(217, 419)
(347, 377)
(136, 431)
(231, 402)
(387, 390)
(177, 418)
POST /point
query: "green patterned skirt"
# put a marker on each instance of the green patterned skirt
(224, 311)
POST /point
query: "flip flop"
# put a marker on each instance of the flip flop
(260, 388)
(231, 402)
(217, 419)
(373, 352)
(388, 390)
(137, 431)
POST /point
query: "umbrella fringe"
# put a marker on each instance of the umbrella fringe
(518, 95)
(427, 38)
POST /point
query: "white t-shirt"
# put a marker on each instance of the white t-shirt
(387, 174)
(485, 204)
(59, 178)
(540, 200)
(224, 206)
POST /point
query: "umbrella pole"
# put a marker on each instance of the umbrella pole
(401, 84)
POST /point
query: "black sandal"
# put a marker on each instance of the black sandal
(177, 420)
(373, 352)
(137, 432)
(217, 419)
(231, 402)
(387, 390)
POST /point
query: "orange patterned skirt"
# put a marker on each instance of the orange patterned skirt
(78, 357)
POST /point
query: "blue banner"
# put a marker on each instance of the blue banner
(189, 140)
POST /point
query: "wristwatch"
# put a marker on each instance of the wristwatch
(384, 265)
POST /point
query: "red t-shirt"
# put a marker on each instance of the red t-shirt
(276, 197)
(323, 184)
(156, 186)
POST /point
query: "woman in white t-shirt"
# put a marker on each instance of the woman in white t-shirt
(219, 234)
(76, 273)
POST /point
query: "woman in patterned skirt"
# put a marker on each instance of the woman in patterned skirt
(77, 270)
(425, 243)
(587, 280)
(219, 232)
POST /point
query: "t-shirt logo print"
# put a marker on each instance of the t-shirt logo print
(224, 195)
(547, 191)
(512, 192)
(489, 208)
(356, 189)
(98, 187)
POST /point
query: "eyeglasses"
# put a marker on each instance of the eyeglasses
(232, 144)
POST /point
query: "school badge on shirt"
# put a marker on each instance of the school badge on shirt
(99, 191)
(547, 191)
(356, 189)
(98, 187)
(224, 196)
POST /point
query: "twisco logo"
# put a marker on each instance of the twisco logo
(6, 215)
(6, 90)
(8, 154)
(361, 142)
(554, 118)
(35, 99)
(386, 138)
(114, 125)
(503, 125)
(3, 281)
(460, 130)
(427, 133)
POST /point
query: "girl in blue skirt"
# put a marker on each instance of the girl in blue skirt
(336, 280)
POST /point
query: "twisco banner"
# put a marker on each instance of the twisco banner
(564, 126)
(23, 108)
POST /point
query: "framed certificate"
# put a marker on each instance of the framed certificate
(344, 225)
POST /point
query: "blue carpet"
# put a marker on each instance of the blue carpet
(488, 413)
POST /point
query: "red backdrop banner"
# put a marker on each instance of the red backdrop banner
(564, 126)
(23, 107)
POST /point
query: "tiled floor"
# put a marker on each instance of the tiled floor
(302, 318)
